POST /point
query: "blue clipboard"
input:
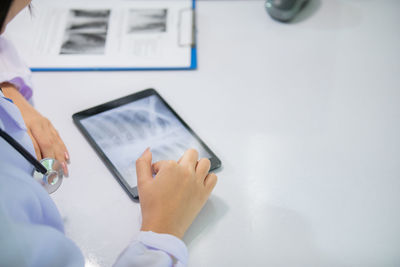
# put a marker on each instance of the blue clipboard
(192, 66)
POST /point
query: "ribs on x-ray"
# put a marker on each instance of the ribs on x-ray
(150, 124)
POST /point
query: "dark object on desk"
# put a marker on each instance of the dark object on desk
(284, 10)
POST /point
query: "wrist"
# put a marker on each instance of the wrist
(9, 90)
(162, 228)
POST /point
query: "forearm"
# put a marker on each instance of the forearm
(11, 91)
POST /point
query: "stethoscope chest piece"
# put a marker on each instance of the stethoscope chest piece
(52, 180)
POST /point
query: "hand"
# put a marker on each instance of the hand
(172, 199)
(45, 138)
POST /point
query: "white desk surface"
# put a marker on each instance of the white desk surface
(305, 118)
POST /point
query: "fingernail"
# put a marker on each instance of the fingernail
(65, 169)
(147, 149)
(66, 155)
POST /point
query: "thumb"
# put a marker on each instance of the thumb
(143, 167)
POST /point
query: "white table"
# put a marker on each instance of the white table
(305, 118)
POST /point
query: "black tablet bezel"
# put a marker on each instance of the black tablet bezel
(77, 117)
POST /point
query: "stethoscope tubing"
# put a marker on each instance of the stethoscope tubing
(28, 156)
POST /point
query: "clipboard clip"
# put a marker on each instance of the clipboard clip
(187, 27)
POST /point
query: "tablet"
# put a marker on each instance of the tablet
(120, 131)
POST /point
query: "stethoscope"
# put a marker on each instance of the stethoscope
(48, 172)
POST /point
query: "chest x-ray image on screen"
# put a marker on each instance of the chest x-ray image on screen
(124, 132)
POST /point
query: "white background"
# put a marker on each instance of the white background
(304, 116)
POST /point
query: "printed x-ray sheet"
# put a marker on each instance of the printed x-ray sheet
(105, 34)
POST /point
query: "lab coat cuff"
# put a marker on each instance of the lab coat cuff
(24, 89)
(165, 242)
(23, 85)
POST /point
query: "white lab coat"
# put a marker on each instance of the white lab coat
(31, 228)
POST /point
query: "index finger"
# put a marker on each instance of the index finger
(63, 149)
(143, 167)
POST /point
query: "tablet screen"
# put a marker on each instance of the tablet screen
(124, 132)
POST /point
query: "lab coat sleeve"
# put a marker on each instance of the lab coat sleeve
(31, 228)
(23, 244)
(153, 249)
(13, 69)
